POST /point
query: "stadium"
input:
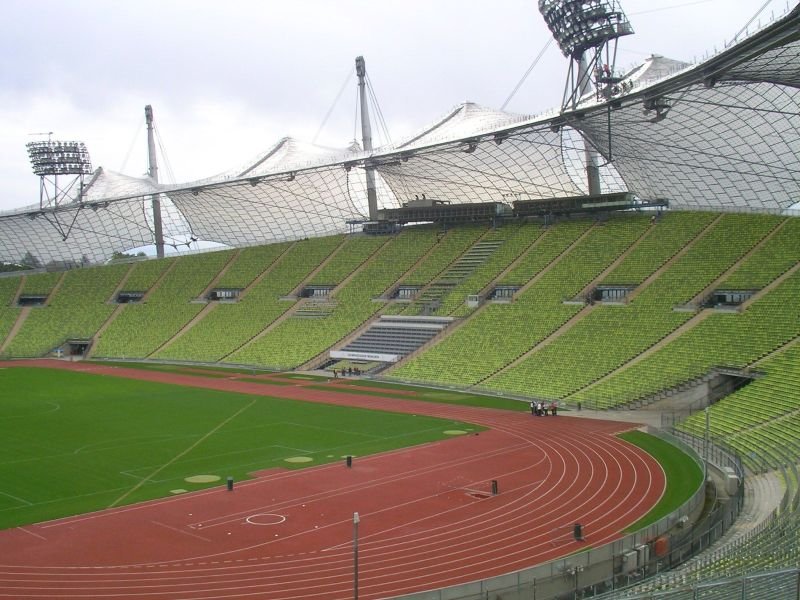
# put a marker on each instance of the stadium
(507, 357)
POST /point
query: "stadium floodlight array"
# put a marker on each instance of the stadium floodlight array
(578, 25)
(59, 158)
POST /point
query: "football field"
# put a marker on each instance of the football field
(74, 442)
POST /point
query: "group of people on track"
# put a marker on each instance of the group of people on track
(540, 409)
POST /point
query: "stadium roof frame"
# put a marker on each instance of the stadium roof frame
(695, 157)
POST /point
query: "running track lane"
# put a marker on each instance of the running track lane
(420, 527)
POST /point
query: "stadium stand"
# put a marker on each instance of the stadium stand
(295, 341)
(145, 274)
(76, 310)
(352, 255)
(762, 418)
(40, 283)
(612, 335)
(769, 261)
(140, 329)
(8, 289)
(673, 232)
(723, 339)
(397, 335)
(510, 241)
(249, 264)
(229, 326)
(492, 338)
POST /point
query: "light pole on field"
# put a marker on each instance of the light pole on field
(355, 555)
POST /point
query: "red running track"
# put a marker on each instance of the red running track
(288, 534)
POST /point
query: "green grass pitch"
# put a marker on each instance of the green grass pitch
(71, 442)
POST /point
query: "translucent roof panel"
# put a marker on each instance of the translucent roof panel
(524, 164)
(75, 233)
(462, 121)
(260, 210)
(722, 134)
(106, 184)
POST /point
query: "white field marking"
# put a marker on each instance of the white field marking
(184, 453)
(449, 530)
(255, 481)
(242, 466)
(358, 433)
(326, 495)
(179, 530)
(527, 549)
(56, 407)
(144, 439)
(41, 537)
(253, 519)
(17, 498)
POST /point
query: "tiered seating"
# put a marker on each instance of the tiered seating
(40, 284)
(554, 241)
(734, 340)
(513, 239)
(8, 289)
(141, 328)
(8, 315)
(449, 246)
(295, 341)
(768, 262)
(229, 326)
(250, 263)
(397, 335)
(762, 418)
(771, 547)
(76, 311)
(499, 334)
(612, 335)
(431, 297)
(670, 235)
(355, 251)
(145, 274)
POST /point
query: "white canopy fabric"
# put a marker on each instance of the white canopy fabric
(723, 134)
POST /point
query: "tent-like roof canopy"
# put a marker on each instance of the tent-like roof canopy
(722, 134)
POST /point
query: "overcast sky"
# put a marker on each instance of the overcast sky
(228, 79)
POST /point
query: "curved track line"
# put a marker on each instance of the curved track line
(420, 528)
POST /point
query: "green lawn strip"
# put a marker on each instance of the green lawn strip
(428, 395)
(74, 442)
(683, 475)
(200, 370)
(266, 381)
(302, 377)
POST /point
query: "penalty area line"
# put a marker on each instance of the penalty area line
(182, 454)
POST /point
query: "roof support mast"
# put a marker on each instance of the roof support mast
(592, 156)
(152, 172)
(366, 138)
(587, 32)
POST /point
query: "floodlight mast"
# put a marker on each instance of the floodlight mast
(152, 172)
(53, 158)
(366, 138)
(587, 31)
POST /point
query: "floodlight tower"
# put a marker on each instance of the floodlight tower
(587, 31)
(152, 173)
(65, 158)
(366, 138)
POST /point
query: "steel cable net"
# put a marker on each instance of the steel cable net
(781, 64)
(306, 204)
(37, 238)
(727, 141)
(524, 164)
(735, 145)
